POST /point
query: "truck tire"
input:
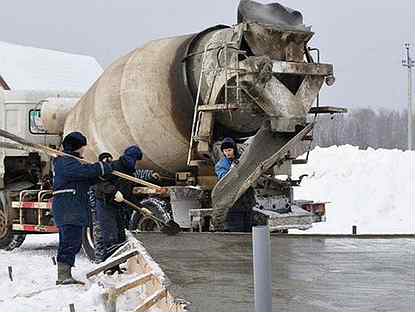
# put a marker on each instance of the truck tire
(143, 223)
(16, 242)
(8, 239)
(88, 245)
(88, 241)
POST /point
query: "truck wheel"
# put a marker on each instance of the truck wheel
(88, 245)
(8, 239)
(88, 241)
(16, 241)
(143, 223)
(6, 234)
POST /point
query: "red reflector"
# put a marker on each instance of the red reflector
(316, 208)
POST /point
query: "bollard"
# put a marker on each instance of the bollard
(261, 245)
(71, 307)
(354, 230)
(53, 260)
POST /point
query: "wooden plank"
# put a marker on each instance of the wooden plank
(116, 261)
(152, 300)
(140, 280)
(4, 84)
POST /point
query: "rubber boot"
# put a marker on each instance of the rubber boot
(65, 275)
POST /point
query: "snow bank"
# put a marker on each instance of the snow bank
(368, 188)
(27, 68)
(34, 274)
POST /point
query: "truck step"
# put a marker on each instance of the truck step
(298, 218)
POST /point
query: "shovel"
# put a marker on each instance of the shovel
(170, 227)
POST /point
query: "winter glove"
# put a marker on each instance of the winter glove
(119, 198)
(155, 176)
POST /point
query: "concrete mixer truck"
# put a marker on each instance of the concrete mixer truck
(177, 98)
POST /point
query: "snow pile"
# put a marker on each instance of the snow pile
(34, 275)
(371, 189)
(27, 68)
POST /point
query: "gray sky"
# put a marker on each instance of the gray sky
(363, 39)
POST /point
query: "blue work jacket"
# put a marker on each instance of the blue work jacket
(73, 179)
(222, 167)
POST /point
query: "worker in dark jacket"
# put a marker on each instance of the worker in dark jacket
(240, 216)
(71, 183)
(111, 217)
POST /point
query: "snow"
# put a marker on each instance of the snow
(33, 287)
(27, 68)
(371, 189)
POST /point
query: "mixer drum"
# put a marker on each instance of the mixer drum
(140, 99)
(147, 98)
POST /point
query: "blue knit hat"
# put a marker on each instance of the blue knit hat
(131, 155)
(73, 141)
(228, 143)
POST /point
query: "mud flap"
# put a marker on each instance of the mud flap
(265, 150)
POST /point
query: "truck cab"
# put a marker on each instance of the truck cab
(25, 174)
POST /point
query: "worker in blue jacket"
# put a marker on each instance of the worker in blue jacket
(231, 155)
(71, 183)
(240, 216)
(111, 216)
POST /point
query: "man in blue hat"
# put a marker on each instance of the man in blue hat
(240, 216)
(71, 183)
(111, 217)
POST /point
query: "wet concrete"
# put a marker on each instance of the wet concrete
(214, 272)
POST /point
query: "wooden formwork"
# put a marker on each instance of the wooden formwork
(143, 274)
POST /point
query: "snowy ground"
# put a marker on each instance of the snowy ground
(371, 189)
(33, 288)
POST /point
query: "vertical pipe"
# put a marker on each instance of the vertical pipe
(409, 60)
(409, 63)
(262, 268)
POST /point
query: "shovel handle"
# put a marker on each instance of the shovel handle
(55, 153)
(136, 180)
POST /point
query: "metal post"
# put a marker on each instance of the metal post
(409, 63)
(354, 230)
(262, 268)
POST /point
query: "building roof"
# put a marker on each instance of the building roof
(27, 68)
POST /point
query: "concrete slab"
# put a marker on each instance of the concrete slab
(214, 272)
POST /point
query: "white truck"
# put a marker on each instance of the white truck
(177, 98)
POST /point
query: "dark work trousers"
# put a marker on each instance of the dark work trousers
(110, 230)
(240, 217)
(70, 241)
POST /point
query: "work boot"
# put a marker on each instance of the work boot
(65, 275)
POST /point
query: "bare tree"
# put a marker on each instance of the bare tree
(364, 128)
